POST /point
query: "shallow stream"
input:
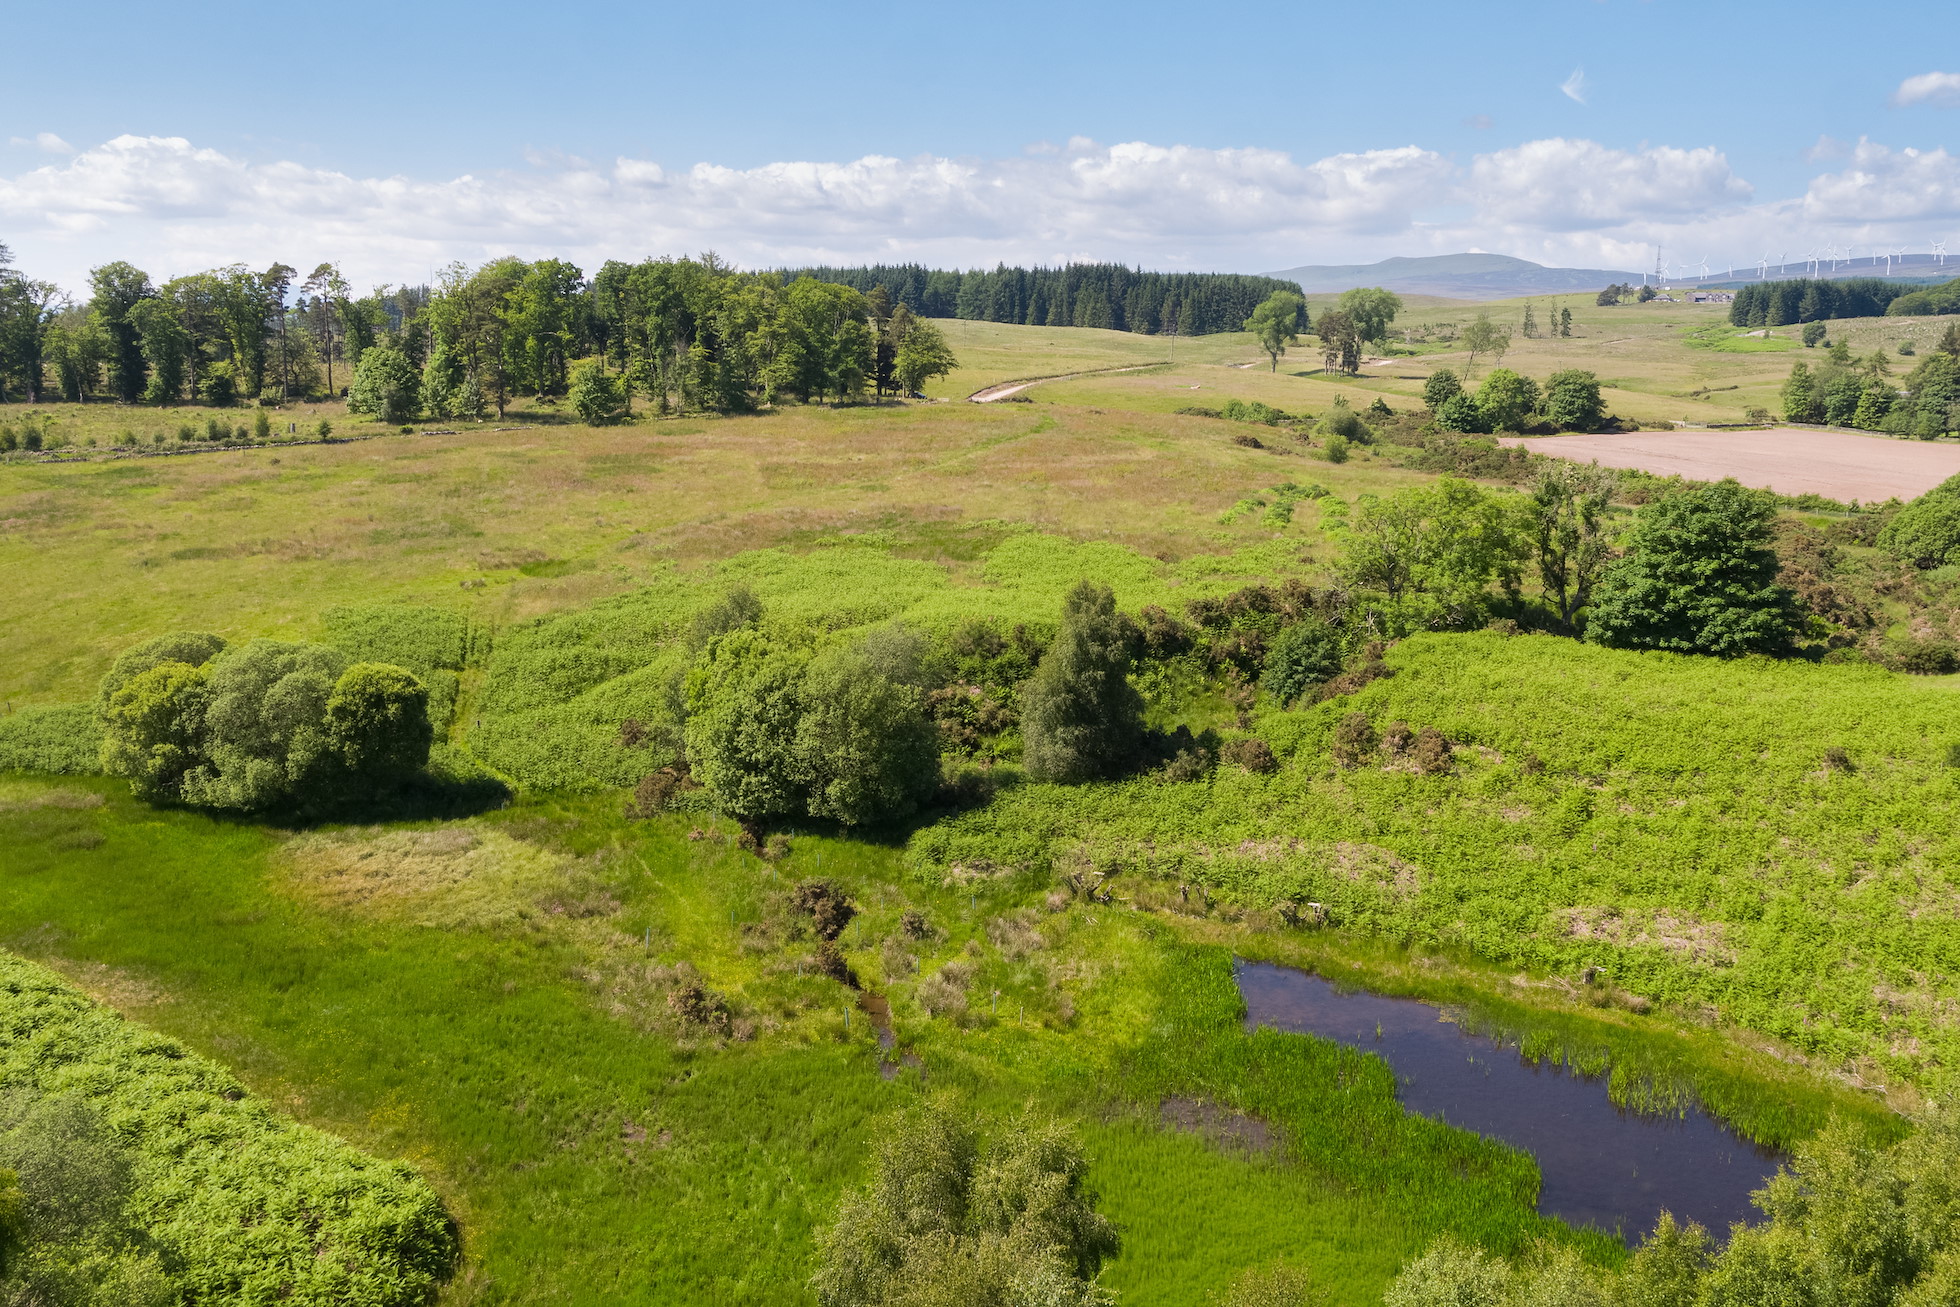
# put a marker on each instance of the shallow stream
(1602, 1165)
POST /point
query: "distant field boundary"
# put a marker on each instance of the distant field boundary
(111, 454)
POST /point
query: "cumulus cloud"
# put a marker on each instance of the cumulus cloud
(180, 205)
(172, 207)
(1883, 185)
(1929, 88)
(1571, 185)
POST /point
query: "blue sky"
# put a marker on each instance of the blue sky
(1267, 134)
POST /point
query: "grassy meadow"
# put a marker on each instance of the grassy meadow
(488, 995)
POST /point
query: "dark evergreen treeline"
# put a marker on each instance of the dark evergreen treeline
(1806, 299)
(1079, 295)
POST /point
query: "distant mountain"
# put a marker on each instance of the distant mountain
(1460, 276)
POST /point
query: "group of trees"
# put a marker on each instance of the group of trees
(1076, 295)
(1861, 392)
(1362, 316)
(1624, 292)
(214, 337)
(692, 333)
(1697, 573)
(1570, 400)
(683, 333)
(1812, 299)
(264, 725)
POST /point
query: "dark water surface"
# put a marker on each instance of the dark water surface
(1602, 1166)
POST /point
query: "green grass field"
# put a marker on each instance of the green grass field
(487, 996)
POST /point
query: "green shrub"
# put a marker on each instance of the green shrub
(386, 385)
(1926, 532)
(946, 1219)
(244, 1205)
(868, 751)
(599, 397)
(1573, 401)
(745, 702)
(63, 738)
(1506, 400)
(258, 726)
(1080, 717)
(1813, 334)
(1699, 576)
(1459, 412)
(1303, 655)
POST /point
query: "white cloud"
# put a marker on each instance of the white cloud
(1885, 185)
(178, 207)
(1574, 185)
(1574, 86)
(43, 141)
(173, 207)
(1929, 88)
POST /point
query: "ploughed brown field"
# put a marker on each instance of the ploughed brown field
(1792, 461)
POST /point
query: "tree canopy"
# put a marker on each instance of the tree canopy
(1699, 576)
(1081, 719)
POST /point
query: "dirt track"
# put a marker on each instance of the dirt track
(990, 394)
(1789, 460)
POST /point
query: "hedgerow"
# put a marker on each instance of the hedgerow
(248, 1207)
(1681, 824)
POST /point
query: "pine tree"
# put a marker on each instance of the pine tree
(1080, 717)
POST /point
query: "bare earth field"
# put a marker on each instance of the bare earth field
(1791, 461)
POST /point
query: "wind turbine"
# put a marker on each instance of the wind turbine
(1703, 261)
(1939, 253)
(1762, 267)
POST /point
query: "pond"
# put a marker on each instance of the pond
(1601, 1165)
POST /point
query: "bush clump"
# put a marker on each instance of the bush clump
(949, 1218)
(1926, 532)
(260, 725)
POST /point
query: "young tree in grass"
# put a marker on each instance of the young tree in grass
(1277, 323)
(1301, 656)
(1567, 516)
(867, 751)
(386, 385)
(598, 396)
(1080, 717)
(1484, 338)
(377, 726)
(1340, 342)
(745, 701)
(922, 355)
(1699, 576)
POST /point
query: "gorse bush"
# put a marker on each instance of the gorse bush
(261, 725)
(150, 1175)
